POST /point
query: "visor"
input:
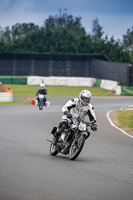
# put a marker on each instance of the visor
(85, 99)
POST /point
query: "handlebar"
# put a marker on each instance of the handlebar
(80, 118)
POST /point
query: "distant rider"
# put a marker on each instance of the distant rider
(73, 108)
(42, 90)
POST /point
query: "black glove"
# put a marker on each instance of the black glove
(68, 114)
(94, 127)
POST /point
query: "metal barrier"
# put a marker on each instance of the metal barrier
(46, 64)
(88, 65)
(130, 75)
(111, 71)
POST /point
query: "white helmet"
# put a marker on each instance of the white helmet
(85, 97)
(42, 85)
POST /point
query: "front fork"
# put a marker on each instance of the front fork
(85, 134)
(75, 138)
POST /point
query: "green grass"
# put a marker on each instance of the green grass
(126, 118)
(15, 103)
(30, 90)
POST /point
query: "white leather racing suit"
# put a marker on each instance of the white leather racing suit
(75, 107)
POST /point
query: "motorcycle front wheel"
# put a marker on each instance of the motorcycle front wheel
(76, 147)
(53, 150)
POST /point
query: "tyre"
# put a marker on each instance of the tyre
(40, 106)
(53, 150)
(76, 147)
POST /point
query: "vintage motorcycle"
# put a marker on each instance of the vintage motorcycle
(72, 140)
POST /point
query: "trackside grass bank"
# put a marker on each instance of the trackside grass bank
(15, 103)
(126, 118)
(30, 90)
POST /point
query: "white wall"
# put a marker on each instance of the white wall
(55, 80)
(111, 85)
(6, 97)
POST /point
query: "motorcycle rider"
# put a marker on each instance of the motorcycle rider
(41, 90)
(73, 108)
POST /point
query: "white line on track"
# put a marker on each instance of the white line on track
(112, 124)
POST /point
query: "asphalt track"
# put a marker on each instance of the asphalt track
(103, 171)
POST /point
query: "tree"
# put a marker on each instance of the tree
(97, 32)
(64, 33)
(20, 30)
(128, 39)
(63, 20)
(6, 36)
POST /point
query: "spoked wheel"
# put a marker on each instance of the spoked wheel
(76, 147)
(53, 150)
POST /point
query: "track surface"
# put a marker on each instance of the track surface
(103, 170)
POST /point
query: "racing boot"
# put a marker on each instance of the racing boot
(56, 138)
(60, 129)
(45, 103)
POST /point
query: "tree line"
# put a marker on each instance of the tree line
(64, 34)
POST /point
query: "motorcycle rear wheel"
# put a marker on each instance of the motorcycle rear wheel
(40, 106)
(76, 148)
(53, 150)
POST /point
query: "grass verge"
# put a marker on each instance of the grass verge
(15, 103)
(126, 118)
(30, 90)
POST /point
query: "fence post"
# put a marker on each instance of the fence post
(14, 67)
(51, 67)
(32, 67)
(68, 67)
(130, 75)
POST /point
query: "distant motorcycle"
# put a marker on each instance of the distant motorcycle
(41, 99)
(72, 140)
